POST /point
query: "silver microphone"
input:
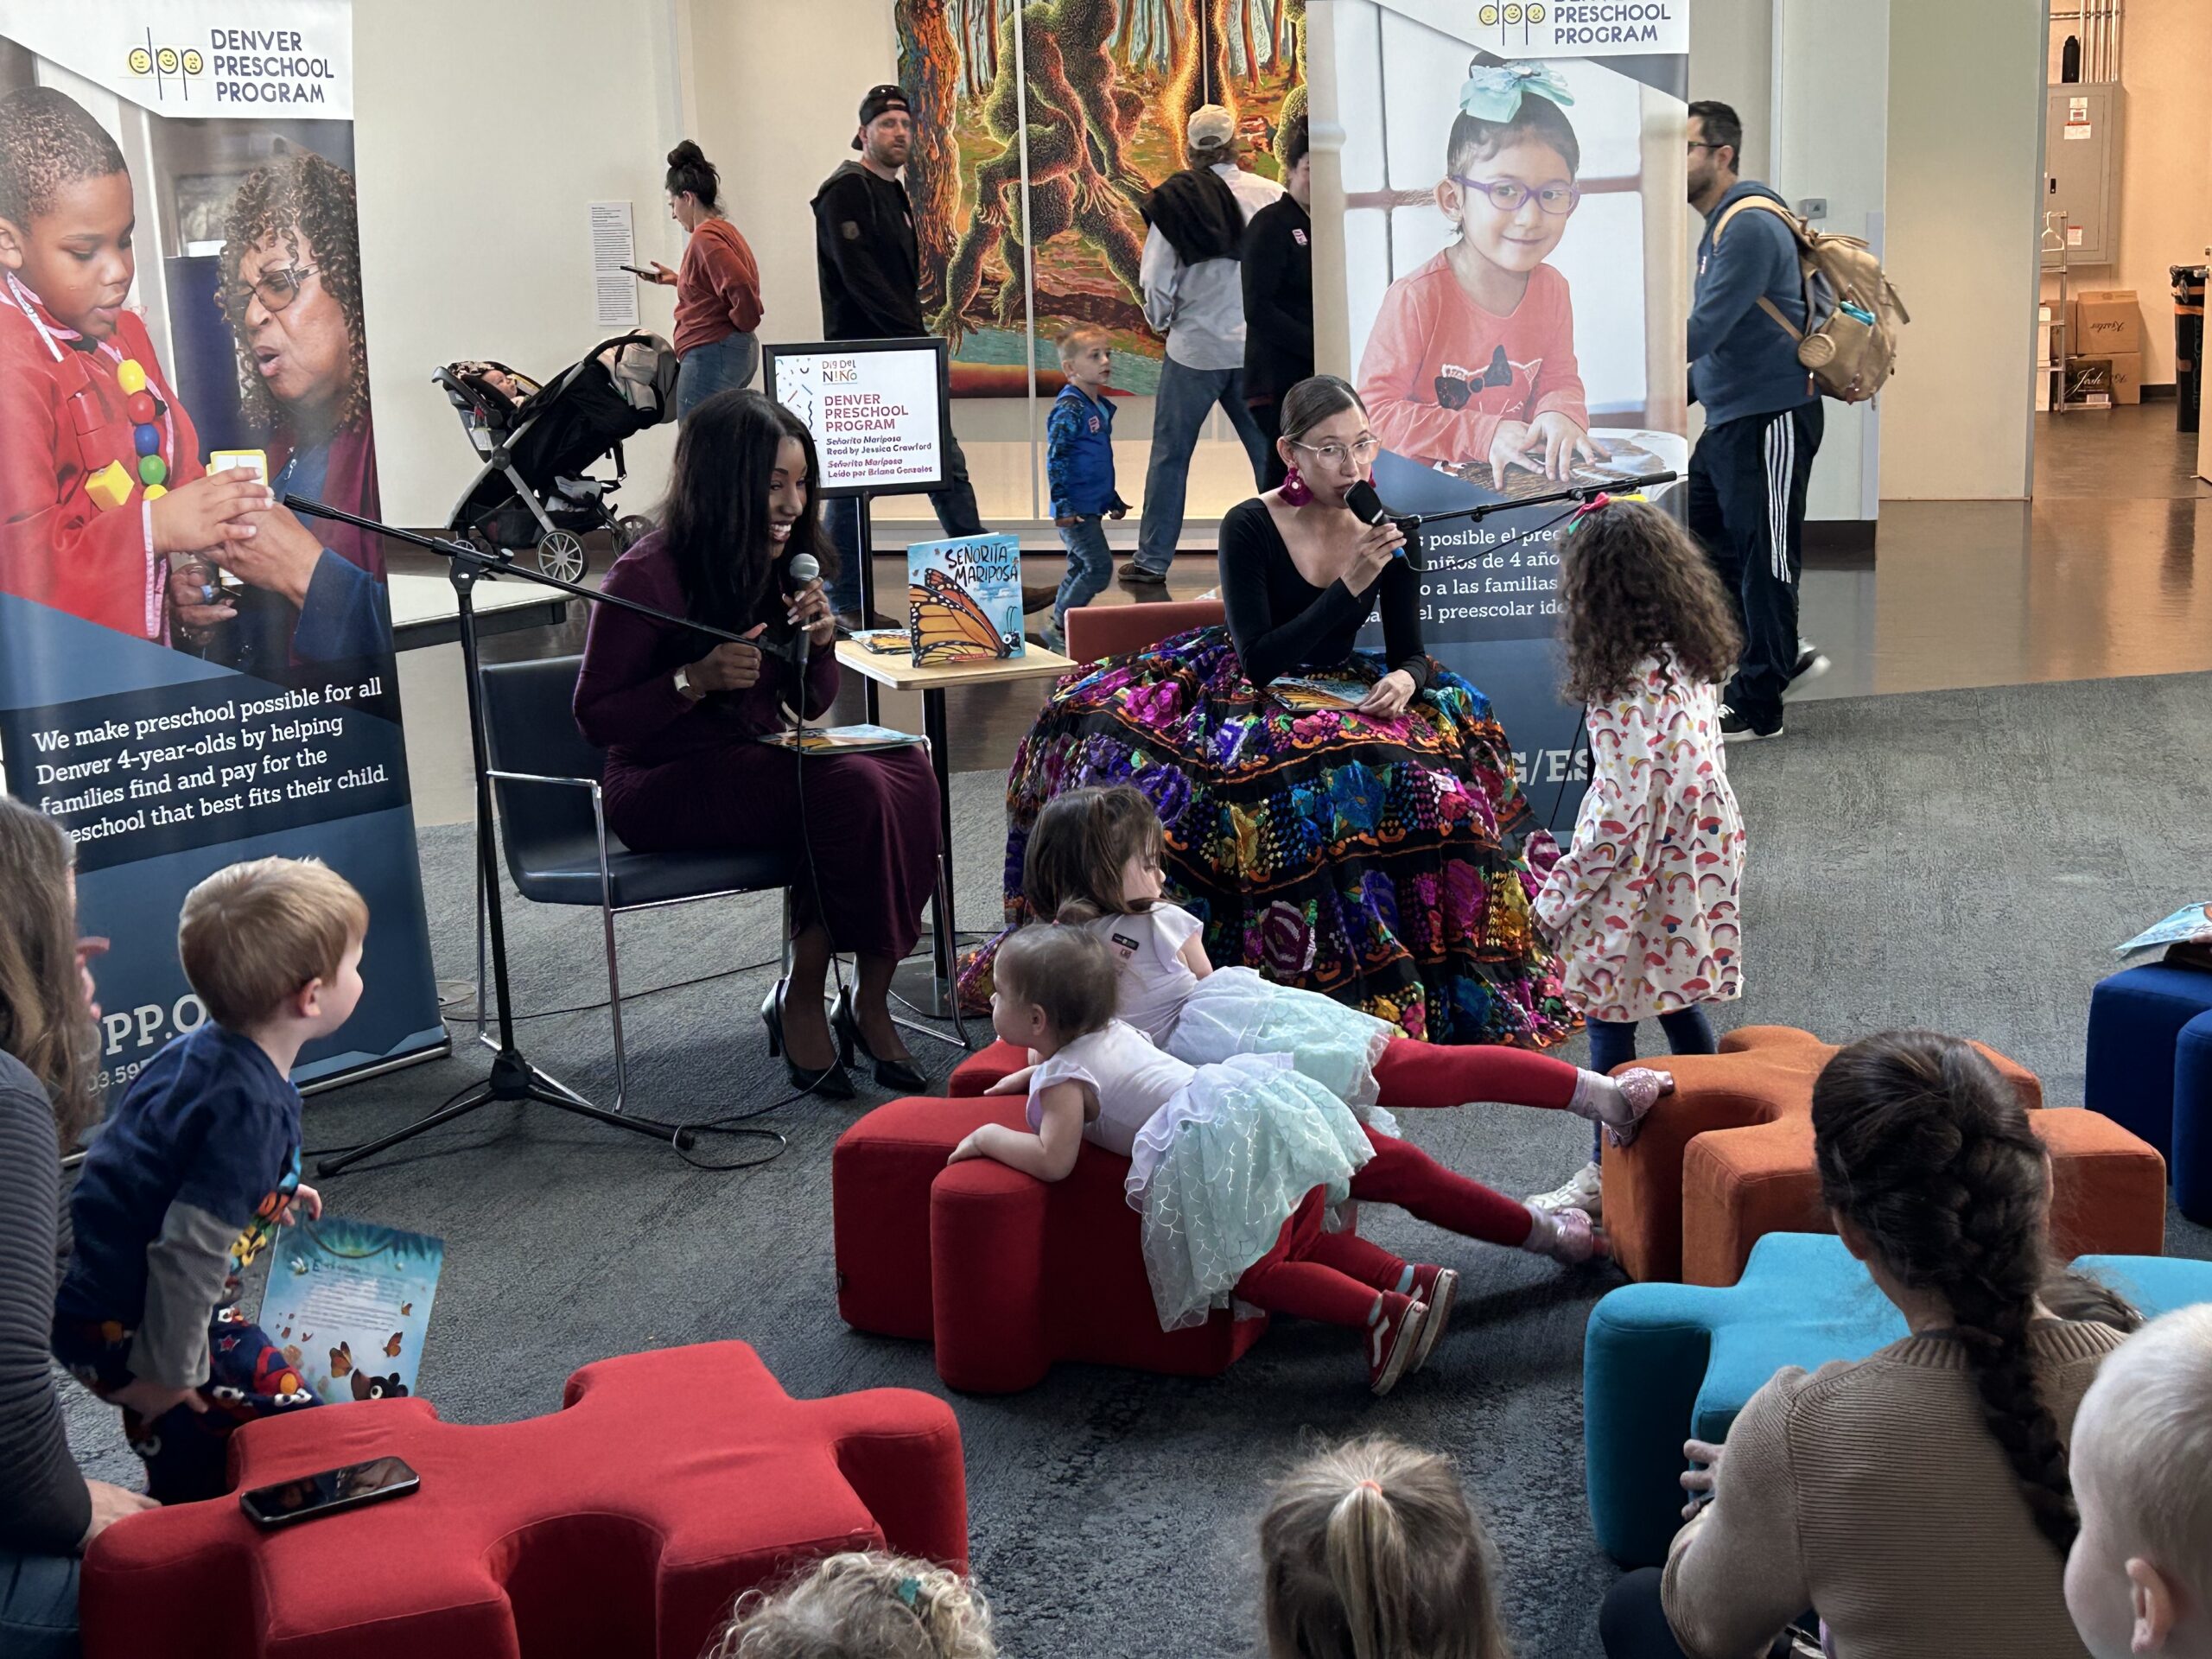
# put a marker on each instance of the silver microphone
(803, 567)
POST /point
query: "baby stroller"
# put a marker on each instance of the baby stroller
(538, 443)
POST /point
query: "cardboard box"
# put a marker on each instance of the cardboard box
(2127, 373)
(2088, 382)
(2108, 321)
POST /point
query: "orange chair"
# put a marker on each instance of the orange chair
(1728, 1158)
(1095, 631)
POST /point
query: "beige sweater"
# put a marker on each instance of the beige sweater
(1874, 1493)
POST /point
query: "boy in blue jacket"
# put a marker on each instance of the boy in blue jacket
(198, 1167)
(1762, 422)
(1079, 471)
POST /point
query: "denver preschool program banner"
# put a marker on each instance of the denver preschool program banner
(181, 298)
(1513, 265)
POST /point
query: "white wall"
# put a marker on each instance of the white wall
(1964, 178)
(480, 132)
(1831, 94)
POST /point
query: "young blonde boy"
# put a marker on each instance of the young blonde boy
(1079, 471)
(2139, 1578)
(199, 1165)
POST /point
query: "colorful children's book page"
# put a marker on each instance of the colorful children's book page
(964, 599)
(2190, 924)
(349, 1303)
(1309, 693)
(843, 739)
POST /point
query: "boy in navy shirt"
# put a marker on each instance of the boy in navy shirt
(199, 1166)
(1079, 471)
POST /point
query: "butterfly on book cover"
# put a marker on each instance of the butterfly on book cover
(947, 625)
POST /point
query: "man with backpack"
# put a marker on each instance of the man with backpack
(1763, 419)
(1194, 295)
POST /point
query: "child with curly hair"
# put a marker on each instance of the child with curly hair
(1643, 907)
(1370, 1551)
(861, 1604)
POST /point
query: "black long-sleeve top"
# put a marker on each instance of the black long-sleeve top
(45, 1506)
(865, 258)
(1282, 623)
(1278, 269)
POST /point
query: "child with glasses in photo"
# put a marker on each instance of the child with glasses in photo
(1472, 357)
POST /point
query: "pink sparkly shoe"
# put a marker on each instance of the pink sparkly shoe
(1566, 1235)
(1619, 1103)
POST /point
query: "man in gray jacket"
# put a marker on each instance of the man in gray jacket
(1762, 422)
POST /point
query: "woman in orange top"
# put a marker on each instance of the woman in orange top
(717, 289)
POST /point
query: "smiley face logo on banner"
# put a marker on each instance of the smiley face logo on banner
(1511, 14)
(161, 63)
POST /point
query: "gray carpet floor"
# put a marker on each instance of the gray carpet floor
(1964, 860)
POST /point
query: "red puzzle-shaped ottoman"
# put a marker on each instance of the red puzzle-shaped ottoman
(1004, 1273)
(621, 1526)
(1727, 1158)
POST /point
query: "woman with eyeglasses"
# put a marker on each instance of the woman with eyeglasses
(291, 288)
(1342, 822)
(1472, 357)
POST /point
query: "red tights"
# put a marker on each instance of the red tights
(1430, 1075)
(1402, 1173)
(1313, 1274)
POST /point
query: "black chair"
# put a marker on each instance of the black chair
(552, 825)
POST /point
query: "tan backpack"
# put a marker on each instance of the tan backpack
(1855, 313)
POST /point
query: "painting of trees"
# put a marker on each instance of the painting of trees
(1092, 96)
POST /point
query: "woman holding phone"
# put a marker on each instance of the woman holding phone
(717, 288)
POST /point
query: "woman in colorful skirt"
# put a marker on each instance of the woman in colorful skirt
(1339, 823)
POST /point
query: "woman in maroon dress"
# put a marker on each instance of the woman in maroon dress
(685, 771)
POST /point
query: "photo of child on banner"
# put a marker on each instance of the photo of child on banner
(191, 672)
(1502, 219)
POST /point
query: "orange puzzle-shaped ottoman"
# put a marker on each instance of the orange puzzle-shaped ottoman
(1727, 1158)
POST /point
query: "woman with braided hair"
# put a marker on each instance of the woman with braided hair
(1916, 1499)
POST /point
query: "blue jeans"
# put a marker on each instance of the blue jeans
(1091, 567)
(1612, 1042)
(840, 522)
(38, 1607)
(724, 365)
(1185, 396)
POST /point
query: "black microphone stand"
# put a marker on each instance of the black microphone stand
(513, 1077)
(1578, 493)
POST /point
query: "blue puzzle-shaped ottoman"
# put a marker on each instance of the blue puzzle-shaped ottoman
(2150, 1070)
(1663, 1363)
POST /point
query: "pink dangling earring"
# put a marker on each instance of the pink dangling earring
(1295, 490)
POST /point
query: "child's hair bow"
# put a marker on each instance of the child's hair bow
(1494, 92)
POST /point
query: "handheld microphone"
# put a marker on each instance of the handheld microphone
(805, 568)
(1368, 508)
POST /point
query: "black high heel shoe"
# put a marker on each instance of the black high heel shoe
(892, 1074)
(832, 1082)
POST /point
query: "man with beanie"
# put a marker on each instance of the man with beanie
(1279, 297)
(1748, 473)
(1193, 294)
(869, 271)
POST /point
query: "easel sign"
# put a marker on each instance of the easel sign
(879, 409)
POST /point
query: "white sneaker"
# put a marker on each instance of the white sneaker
(1584, 1190)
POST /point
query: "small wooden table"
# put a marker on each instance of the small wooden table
(898, 671)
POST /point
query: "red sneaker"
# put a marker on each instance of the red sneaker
(1392, 1339)
(1438, 1288)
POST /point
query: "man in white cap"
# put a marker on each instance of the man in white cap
(1194, 293)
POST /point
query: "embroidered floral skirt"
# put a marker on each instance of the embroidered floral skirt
(1388, 864)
